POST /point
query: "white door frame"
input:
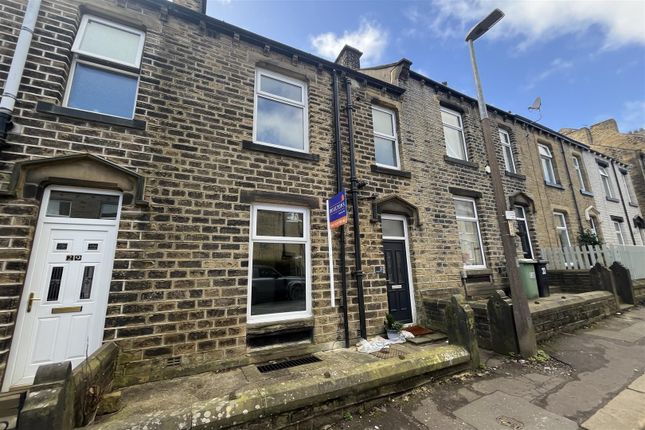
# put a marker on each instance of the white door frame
(36, 244)
(408, 258)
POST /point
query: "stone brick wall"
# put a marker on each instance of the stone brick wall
(629, 148)
(179, 286)
(575, 312)
(570, 281)
(566, 199)
(609, 208)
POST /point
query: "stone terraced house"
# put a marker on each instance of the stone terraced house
(167, 191)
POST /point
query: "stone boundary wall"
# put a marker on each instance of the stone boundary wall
(62, 399)
(435, 312)
(549, 317)
(571, 313)
(639, 290)
(570, 281)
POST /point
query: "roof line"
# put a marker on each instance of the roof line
(256, 39)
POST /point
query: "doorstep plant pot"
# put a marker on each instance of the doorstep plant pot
(393, 334)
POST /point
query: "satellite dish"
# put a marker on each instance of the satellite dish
(537, 103)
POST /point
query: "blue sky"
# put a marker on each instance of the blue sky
(584, 58)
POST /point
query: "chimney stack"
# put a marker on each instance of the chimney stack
(196, 5)
(349, 57)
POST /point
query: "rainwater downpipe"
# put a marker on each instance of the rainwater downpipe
(622, 201)
(12, 84)
(573, 189)
(358, 266)
(339, 188)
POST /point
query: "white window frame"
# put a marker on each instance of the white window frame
(306, 240)
(76, 47)
(546, 160)
(564, 227)
(460, 129)
(526, 224)
(594, 227)
(115, 66)
(393, 138)
(405, 238)
(618, 230)
(630, 193)
(578, 168)
(507, 151)
(304, 105)
(606, 182)
(479, 232)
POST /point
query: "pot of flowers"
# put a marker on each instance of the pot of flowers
(393, 327)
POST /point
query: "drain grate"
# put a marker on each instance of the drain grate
(285, 364)
(173, 361)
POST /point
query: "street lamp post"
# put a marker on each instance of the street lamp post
(521, 313)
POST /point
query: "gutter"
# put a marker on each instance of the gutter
(12, 84)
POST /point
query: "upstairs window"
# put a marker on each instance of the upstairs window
(561, 229)
(280, 118)
(547, 164)
(386, 146)
(630, 191)
(453, 134)
(104, 77)
(509, 162)
(606, 182)
(581, 177)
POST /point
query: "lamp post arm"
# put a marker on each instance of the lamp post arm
(483, 113)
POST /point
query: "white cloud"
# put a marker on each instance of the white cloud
(531, 21)
(632, 116)
(557, 66)
(369, 38)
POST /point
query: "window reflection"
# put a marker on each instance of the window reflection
(66, 204)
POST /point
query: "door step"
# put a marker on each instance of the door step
(10, 404)
(428, 338)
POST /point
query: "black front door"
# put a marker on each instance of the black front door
(398, 286)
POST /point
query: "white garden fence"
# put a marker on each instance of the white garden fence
(585, 257)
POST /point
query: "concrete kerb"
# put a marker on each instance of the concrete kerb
(257, 403)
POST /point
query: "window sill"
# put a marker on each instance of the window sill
(611, 199)
(515, 175)
(53, 109)
(251, 146)
(477, 271)
(554, 185)
(460, 162)
(634, 205)
(393, 172)
(256, 328)
(586, 193)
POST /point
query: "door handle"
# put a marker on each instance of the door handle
(31, 301)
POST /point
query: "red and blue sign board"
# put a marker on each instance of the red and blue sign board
(337, 207)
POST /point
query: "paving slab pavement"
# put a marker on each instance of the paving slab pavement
(594, 378)
(501, 411)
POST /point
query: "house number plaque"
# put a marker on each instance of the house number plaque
(73, 257)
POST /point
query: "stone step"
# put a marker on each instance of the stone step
(428, 338)
(9, 407)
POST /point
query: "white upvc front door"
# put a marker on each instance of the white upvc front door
(64, 302)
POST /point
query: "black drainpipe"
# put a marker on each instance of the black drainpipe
(339, 188)
(573, 189)
(354, 187)
(622, 200)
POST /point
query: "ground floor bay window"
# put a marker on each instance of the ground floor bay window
(279, 272)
